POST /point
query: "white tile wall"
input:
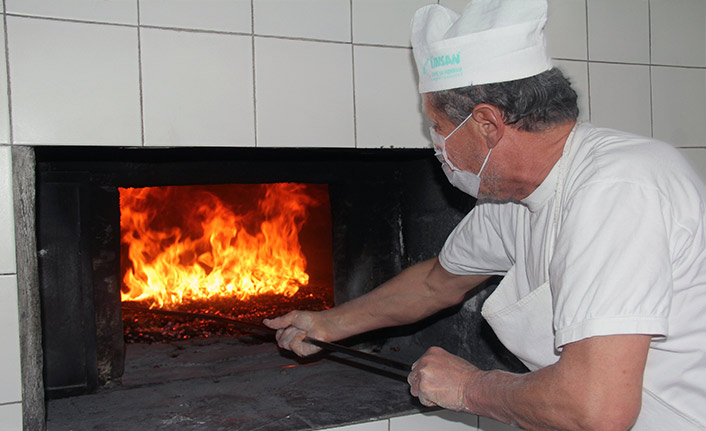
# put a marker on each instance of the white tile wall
(679, 105)
(446, 420)
(4, 101)
(10, 384)
(457, 5)
(382, 425)
(608, 36)
(73, 83)
(328, 73)
(11, 417)
(388, 106)
(197, 89)
(117, 12)
(384, 22)
(620, 97)
(303, 18)
(304, 93)
(566, 29)
(697, 158)
(7, 218)
(216, 15)
(678, 32)
(486, 424)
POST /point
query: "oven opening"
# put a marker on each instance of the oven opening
(136, 246)
(242, 251)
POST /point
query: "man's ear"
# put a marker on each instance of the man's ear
(491, 124)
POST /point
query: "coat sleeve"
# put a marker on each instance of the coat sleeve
(611, 272)
(477, 245)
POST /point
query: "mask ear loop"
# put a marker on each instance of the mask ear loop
(459, 126)
(443, 142)
(484, 162)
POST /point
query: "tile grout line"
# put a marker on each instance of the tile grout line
(305, 39)
(10, 132)
(140, 77)
(649, 57)
(254, 72)
(355, 108)
(197, 30)
(588, 62)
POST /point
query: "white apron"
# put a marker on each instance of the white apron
(525, 324)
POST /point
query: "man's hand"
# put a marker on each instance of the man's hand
(438, 378)
(293, 328)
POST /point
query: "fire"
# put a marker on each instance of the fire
(205, 248)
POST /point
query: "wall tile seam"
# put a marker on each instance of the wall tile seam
(72, 20)
(620, 63)
(140, 78)
(8, 89)
(649, 54)
(253, 57)
(306, 39)
(353, 87)
(588, 68)
(628, 63)
(207, 31)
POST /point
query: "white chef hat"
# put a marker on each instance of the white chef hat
(491, 41)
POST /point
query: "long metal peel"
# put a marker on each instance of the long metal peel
(262, 329)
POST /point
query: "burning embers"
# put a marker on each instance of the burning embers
(229, 249)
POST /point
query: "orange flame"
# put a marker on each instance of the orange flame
(214, 252)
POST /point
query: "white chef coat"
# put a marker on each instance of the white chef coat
(612, 242)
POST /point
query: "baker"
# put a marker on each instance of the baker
(600, 236)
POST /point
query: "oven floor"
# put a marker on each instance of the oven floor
(235, 384)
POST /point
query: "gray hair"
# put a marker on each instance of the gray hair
(531, 104)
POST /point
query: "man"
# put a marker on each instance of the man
(600, 236)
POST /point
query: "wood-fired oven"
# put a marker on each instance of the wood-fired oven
(369, 214)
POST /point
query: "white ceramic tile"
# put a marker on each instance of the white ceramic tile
(679, 105)
(313, 19)
(456, 5)
(367, 426)
(217, 15)
(10, 378)
(11, 417)
(678, 32)
(7, 218)
(620, 97)
(444, 420)
(566, 29)
(4, 103)
(577, 73)
(388, 105)
(73, 83)
(485, 424)
(197, 89)
(384, 22)
(119, 12)
(697, 158)
(619, 31)
(304, 93)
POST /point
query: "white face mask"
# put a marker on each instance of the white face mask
(463, 180)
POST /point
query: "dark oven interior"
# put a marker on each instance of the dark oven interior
(386, 210)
